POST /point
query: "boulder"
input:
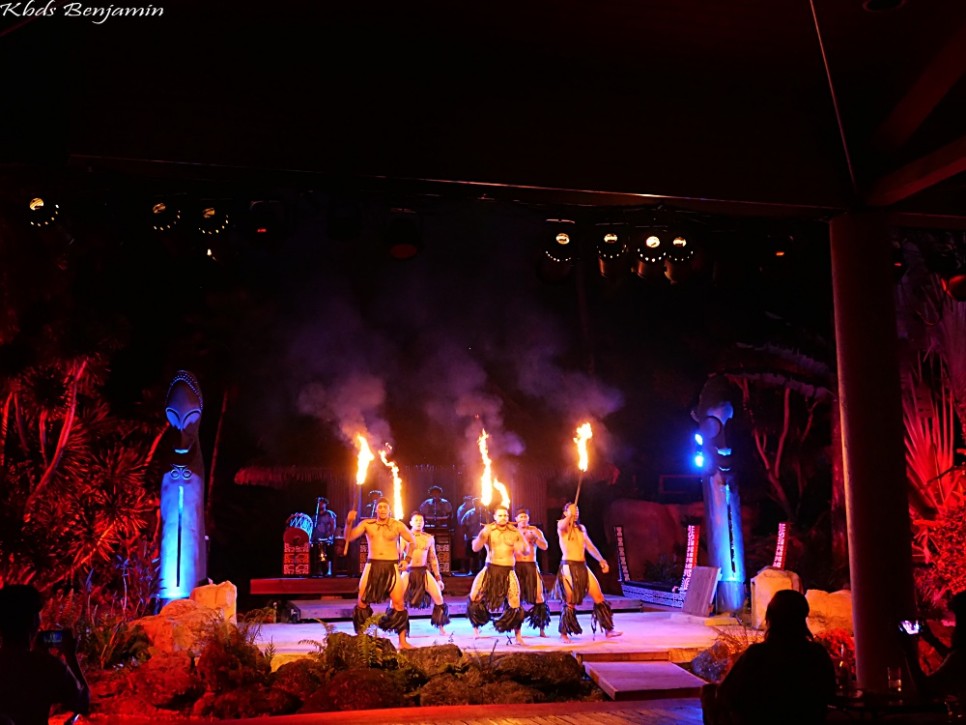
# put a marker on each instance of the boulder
(763, 587)
(553, 671)
(829, 610)
(168, 681)
(432, 661)
(246, 703)
(299, 678)
(222, 597)
(357, 689)
(179, 627)
(345, 651)
(510, 693)
(450, 689)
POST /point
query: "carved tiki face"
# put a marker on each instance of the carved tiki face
(183, 409)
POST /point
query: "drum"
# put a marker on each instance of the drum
(339, 547)
(298, 529)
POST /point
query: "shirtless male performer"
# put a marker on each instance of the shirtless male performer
(496, 586)
(419, 586)
(575, 579)
(528, 573)
(380, 578)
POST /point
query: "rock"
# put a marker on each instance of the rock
(829, 611)
(510, 693)
(346, 651)
(450, 689)
(168, 681)
(318, 701)
(763, 587)
(357, 689)
(432, 661)
(553, 671)
(229, 660)
(249, 702)
(712, 664)
(299, 678)
(222, 597)
(180, 627)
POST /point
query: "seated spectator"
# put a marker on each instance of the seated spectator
(788, 678)
(949, 679)
(33, 679)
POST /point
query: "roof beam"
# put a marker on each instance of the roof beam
(942, 72)
(919, 175)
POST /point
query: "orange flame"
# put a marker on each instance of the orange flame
(584, 433)
(486, 480)
(504, 494)
(365, 458)
(397, 506)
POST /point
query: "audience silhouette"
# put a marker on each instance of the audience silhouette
(31, 677)
(949, 679)
(787, 678)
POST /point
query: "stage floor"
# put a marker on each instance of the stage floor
(672, 636)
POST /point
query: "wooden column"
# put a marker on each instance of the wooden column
(870, 404)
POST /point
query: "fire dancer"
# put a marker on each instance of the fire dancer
(528, 573)
(380, 577)
(497, 586)
(420, 587)
(575, 580)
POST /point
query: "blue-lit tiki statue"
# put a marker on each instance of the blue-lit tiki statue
(722, 504)
(182, 493)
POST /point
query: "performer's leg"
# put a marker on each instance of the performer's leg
(475, 596)
(540, 599)
(568, 609)
(363, 581)
(602, 612)
(432, 587)
(362, 611)
(513, 599)
(397, 601)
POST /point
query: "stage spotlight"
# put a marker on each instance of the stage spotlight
(213, 219)
(266, 220)
(42, 212)
(164, 216)
(650, 255)
(403, 234)
(559, 250)
(611, 249)
(680, 253)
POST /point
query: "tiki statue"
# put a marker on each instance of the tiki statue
(183, 550)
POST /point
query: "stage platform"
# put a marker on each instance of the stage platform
(348, 586)
(639, 664)
(647, 636)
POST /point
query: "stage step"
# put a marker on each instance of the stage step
(338, 608)
(638, 680)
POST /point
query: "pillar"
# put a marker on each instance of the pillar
(873, 448)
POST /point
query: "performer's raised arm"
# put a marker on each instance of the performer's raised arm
(351, 534)
(481, 538)
(568, 522)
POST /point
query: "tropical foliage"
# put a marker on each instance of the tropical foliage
(76, 502)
